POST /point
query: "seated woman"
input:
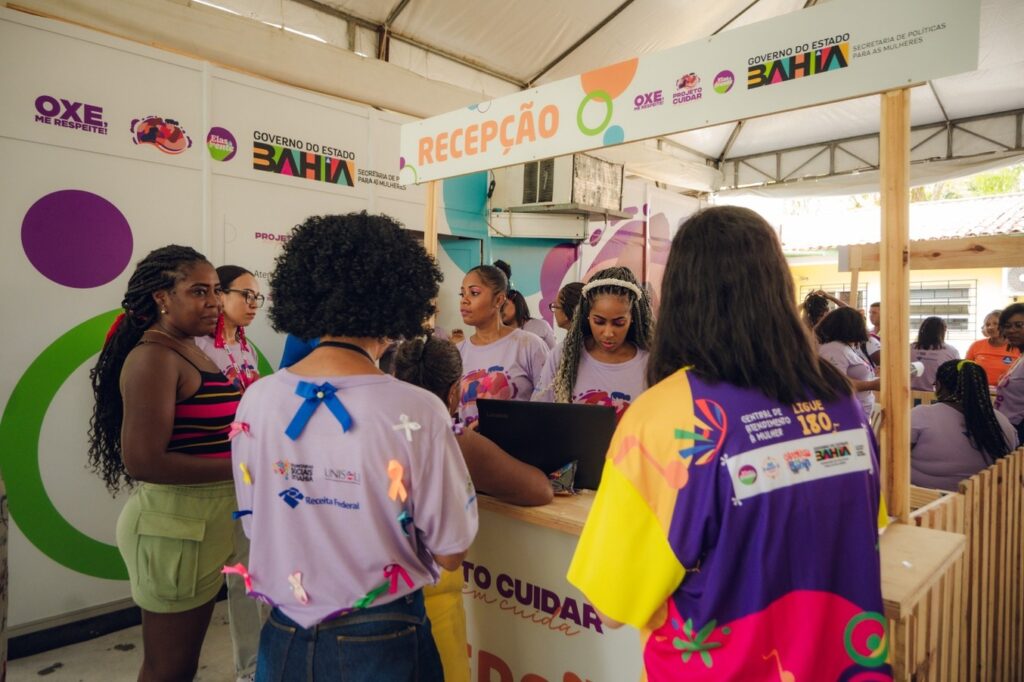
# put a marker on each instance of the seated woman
(993, 353)
(841, 334)
(931, 350)
(960, 434)
(435, 365)
(603, 360)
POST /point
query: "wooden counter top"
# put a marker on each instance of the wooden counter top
(914, 559)
(564, 514)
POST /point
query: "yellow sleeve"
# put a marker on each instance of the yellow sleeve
(623, 563)
(883, 513)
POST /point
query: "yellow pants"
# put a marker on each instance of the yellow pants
(448, 623)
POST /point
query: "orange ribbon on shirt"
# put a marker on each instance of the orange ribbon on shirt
(397, 488)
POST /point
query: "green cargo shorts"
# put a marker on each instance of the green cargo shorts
(174, 540)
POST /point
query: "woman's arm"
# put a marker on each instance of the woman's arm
(501, 475)
(149, 390)
(868, 385)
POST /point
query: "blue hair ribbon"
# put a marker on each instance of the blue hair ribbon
(315, 395)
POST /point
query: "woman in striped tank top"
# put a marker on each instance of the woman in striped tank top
(163, 419)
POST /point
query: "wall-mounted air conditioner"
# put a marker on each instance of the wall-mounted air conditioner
(1013, 279)
(539, 225)
(577, 182)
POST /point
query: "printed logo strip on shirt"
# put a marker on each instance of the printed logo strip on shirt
(782, 465)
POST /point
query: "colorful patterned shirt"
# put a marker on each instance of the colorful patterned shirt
(740, 535)
(506, 369)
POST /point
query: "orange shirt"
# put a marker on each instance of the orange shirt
(995, 360)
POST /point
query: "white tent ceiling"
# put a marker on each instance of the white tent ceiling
(537, 41)
(448, 53)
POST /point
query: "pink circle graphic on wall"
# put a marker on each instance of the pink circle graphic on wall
(76, 238)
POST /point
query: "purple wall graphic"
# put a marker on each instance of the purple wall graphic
(76, 238)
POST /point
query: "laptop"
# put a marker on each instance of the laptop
(550, 435)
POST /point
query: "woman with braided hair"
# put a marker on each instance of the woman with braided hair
(603, 360)
(162, 418)
(960, 434)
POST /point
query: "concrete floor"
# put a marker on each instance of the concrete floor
(116, 657)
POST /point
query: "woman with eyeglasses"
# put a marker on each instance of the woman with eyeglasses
(237, 360)
(1010, 389)
(227, 346)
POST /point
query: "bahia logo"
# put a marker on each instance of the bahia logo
(221, 144)
(648, 100)
(723, 82)
(165, 134)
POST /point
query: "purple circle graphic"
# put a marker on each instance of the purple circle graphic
(76, 238)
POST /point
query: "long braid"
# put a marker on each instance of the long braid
(158, 271)
(640, 333)
(983, 429)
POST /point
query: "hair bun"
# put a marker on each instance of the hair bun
(504, 267)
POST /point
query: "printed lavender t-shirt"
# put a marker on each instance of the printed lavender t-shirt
(852, 364)
(541, 328)
(507, 369)
(597, 383)
(1010, 393)
(941, 454)
(345, 519)
(931, 359)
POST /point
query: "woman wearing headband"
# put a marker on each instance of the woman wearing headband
(497, 361)
(603, 360)
(960, 434)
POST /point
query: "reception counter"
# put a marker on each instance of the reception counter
(527, 624)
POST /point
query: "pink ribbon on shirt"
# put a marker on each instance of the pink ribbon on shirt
(393, 572)
(397, 488)
(295, 580)
(237, 428)
(239, 569)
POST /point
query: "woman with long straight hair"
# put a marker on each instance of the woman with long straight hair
(960, 434)
(603, 360)
(736, 520)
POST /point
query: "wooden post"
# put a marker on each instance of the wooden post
(854, 284)
(430, 219)
(894, 157)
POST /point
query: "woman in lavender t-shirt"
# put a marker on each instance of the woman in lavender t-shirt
(840, 334)
(603, 360)
(497, 361)
(931, 350)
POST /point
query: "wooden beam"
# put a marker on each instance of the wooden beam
(854, 284)
(894, 159)
(997, 251)
(430, 218)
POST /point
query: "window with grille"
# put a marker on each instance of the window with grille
(840, 291)
(954, 301)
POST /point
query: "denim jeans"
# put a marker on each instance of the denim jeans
(387, 643)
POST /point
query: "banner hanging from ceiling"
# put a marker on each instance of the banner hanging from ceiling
(826, 53)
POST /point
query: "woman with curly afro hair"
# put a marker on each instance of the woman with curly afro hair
(604, 358)
(498, 361)
(350, 482)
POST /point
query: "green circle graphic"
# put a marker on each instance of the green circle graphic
(20, 428)
(879, 657)
(594, 95)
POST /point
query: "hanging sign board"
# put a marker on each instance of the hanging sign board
(830, 52)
